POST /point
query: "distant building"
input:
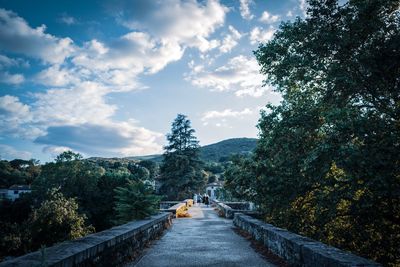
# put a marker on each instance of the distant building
(211, 189)
(15, 191)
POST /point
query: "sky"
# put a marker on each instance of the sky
(107, 78)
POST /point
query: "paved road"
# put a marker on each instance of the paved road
(202, 240)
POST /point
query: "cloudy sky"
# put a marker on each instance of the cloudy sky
(106, 78)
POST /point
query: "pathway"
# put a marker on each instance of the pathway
(202, 240)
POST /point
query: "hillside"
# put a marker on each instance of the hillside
(222, 150)
(215, 152)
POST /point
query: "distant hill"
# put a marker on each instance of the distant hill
(216, 152)
(220, 151)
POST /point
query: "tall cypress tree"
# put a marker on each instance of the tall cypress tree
(181, 169)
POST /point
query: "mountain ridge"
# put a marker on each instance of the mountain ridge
(219, 151)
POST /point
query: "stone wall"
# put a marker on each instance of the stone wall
(164, 205)
(295, 249)
(176, 207)
(239, 205)
(111, 247)
(228, 209)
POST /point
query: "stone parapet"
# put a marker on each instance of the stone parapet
(228, 209)
(178, 209)
(298, 250)
(107, 248)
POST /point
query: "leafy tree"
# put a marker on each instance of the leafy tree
(239, 178)
(14, 227)
(18, 171)
(151, 167)
(181, 170)
(136, 200)
(104, 214)
(75, 179)
(57, 219)
(327, 162)
(68, 156)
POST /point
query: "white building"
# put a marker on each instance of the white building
(211, 189)
(15, 191)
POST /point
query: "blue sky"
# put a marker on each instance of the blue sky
(107, 78)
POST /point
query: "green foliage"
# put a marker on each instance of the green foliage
(239, 178)
(136, 200)
(85, 187)
(221, 151)
(327, 162)
(26, 225)
(218, 152)
(57, 219)
(68, 156)
(181, 170)
(18, 171)
(14, 229)
(74, 178)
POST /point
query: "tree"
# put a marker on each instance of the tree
(74, 178)
(18, 171)
(240, 178)
(68, 156)
(327, 162)
(57, 219)
(181, 172)
(136, 200)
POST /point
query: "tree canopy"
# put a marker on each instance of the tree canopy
(181, 174)
(136, 200)
(327, 162)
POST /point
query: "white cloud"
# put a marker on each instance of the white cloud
(303, 6)
(9, 153)
(177, 22)
(240, 75)
(77, 118)
(245, 9)
(14, 79)
(14, 116)
(289, 14)
(69, 20)
(230, 40)
(225, 113)
(266, 17)
(56, 75)
(6, 62)
(223, 117)
(18, 37)
(106, 139)
(55, 150)
(118, 64)
(259, 35)
(80, 104)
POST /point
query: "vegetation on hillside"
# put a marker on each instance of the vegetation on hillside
(327, 162)
(222, 151)
(217, 152)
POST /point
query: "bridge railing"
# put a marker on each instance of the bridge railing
(295, 249)
(111, 247)
(177, 208)
(228, 209)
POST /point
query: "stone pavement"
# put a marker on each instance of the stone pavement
(202, 240)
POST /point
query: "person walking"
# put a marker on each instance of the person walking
(206, 200)
(194, 199)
